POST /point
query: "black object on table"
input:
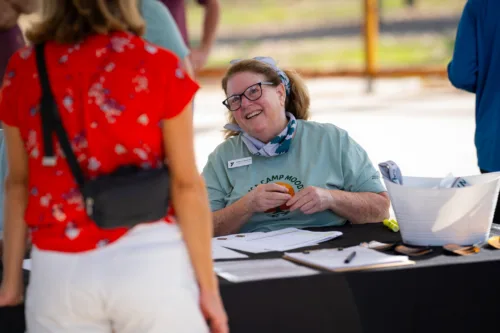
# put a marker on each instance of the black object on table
(443, 292)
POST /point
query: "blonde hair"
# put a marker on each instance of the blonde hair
(296, 102)
(71, 21)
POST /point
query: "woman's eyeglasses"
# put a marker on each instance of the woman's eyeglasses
(252, 93)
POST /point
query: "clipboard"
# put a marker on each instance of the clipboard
(333, 259)
(351, 269)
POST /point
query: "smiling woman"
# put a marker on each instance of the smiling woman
(278, 170)
(268, 88)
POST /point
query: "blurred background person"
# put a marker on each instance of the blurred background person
(475, 67)
(162, 30)
(11, 39)
(198, 55)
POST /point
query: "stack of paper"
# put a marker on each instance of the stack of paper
(240, 242)
(219, 252)
(335, 260)
(250, 270)
(280, 240)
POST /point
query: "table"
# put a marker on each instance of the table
(441, 293)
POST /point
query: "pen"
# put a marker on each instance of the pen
(349, 257)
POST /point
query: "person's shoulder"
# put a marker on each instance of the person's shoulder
(154, 9)
(313, 128)
(18, 63)
(482, 6)
(157, 54)
(481, 3)
(228, 147)
(25, 53)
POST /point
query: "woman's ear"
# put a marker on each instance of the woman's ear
(281, 93)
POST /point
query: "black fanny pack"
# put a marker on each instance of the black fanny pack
(127, 197)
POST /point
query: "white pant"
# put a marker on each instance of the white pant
(142, 283)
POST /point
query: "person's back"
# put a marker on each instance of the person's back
(476, 68)
(123, 103)
(110, 91)
(161, 28)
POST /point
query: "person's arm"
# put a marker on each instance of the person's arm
(462, 70)
(361, 207)
(357, 207)
(189, 196)
(361, 199)
(227, 219)
(188, 67)
(15, 229)
(230, 219)
(190, 201)
(199, 55)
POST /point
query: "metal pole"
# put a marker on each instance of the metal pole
(371, 32)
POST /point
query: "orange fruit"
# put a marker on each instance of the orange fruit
(283, 207)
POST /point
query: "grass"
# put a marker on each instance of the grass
(332, 54)
(256, 17)
(245, 16)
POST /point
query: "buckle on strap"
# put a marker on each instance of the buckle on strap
(49, 161)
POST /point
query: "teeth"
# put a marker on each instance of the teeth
(253, 114)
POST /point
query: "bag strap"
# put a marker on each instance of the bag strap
(51, 122)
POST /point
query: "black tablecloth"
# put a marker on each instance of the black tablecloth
(441, 293)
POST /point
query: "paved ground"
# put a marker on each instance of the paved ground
(428, 132)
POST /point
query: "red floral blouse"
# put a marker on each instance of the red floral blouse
(112, 92)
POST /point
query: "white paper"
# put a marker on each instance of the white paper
(219, 252)
(27, 264)
(334, 259)
(280, 240)
(251, 270)
(240, 242)
(374, 244)
(429, 216)
(292, 238)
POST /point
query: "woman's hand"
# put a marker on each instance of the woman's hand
(10, 295)
(267, 196)
(311, 200)
(213, 311)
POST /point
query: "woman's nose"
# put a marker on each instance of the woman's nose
(245, 102)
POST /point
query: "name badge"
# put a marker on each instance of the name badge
(239, 162)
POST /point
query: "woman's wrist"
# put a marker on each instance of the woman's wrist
(12, 281)
(247, 204)
(209, 285)
(334, 199)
